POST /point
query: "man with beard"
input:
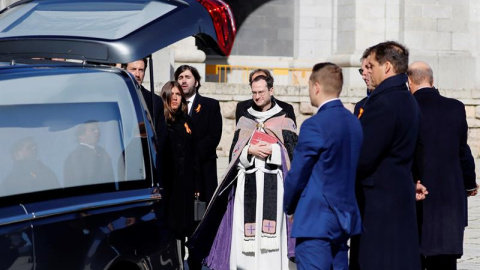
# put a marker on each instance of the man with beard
(207, 123)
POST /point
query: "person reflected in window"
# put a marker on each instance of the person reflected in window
(28, 173)
(88, 163)
(180, 180)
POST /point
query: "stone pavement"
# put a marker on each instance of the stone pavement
(471, 247)
(471, 253)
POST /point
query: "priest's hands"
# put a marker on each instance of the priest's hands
(261, 150)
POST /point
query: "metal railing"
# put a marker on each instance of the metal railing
(240, 74)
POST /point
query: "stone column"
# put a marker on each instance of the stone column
(440, 33)
(315, 31)
(361, 24)
(167, 60)
(187, 53)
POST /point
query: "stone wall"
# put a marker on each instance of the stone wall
(265, 28)
(230, 94)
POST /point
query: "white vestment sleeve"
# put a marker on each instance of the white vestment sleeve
(244, 157)
(276, 156)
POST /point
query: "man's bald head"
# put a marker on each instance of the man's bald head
(420, 75)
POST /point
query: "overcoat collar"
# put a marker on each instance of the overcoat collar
(427, 90)
(394, 81)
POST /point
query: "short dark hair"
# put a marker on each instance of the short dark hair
(393, 52)
(124, 65)
(194, 71)
(82, 128)
(268, 80)
(366, 53)
(328, 75)
(258, 70)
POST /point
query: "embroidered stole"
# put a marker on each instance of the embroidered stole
(269, 234)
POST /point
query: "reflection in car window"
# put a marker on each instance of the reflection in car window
(88, 163)
(27, 172)
(80, 130)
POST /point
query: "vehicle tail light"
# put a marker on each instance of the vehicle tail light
(223, 21)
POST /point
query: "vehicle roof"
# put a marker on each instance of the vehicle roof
(104, 31)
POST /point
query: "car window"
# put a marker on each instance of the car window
(66, 130)
(97, 19)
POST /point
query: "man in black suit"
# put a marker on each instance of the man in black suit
(243, 106)
(154, 107)
(385, 188)
(89, 163)
(446, 167)
(366, 78)
(207, 129)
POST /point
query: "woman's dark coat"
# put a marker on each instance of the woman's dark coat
(180, 175)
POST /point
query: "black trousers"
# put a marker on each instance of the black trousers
(439, 262)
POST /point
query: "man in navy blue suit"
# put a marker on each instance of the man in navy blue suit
(385, 188)
(447, 169)
(320, 186)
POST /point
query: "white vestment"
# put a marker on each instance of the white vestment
(261, 253)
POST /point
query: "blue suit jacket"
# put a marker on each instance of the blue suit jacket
(320, 186)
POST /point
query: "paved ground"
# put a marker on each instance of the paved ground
(471, 247)
(471, 257)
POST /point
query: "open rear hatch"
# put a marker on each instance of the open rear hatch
(110, 31)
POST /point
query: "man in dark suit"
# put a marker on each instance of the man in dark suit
(89, 163)
(320, 186)
(385, 188)
(366, 78)
(447, 169)
(207, 129)
(243, 106)
(154, 106)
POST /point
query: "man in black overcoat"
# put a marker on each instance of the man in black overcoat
(447, 169)
(366, 78)
(242, 106)
(207, 123)
(154, 106)
(385, 188)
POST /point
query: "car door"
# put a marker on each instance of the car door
(80, 186)
(98, 211)
(16, 241)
